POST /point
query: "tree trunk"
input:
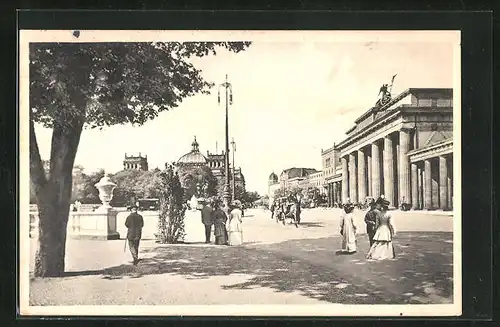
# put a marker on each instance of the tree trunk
(54, 195)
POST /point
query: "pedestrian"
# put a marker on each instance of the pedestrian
(235, 231)
(382, 247)
(134, 224)
(371, 221)
(206, 218)
(348, 230)
(273, 206)
(219, 219)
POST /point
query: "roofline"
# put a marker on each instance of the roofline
(398, 98)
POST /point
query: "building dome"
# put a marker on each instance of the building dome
(194, 157)
(273, 177)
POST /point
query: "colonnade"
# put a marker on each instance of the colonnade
(383, 167)
(432, 183)
(333, 192)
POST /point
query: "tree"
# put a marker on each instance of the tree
(126, 187)
(251, 197)
(79, 178)
(90, 194)
(172, 208)
(198, 181)
(73, 85)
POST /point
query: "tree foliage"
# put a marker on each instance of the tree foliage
(198, 181)
(115, 83)
(172, 208)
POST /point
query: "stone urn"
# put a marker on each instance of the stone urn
(105, 188)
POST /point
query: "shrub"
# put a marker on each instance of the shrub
(172, 209)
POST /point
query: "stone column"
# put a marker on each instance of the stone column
(352, 179)
(388, 170)
(404, 165)
(375, 170)
(334, 193)
(345, 181)
(369, 166)
(427, 185)
(443, 183)
(420, 184)
(414, 187)
(450, 182)
(330, 195)
(361, 176)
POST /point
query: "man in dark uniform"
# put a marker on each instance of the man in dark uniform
(134, 223)
(371, 221)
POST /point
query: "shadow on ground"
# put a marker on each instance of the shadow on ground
(421, 273)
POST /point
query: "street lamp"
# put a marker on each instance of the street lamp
(228, 89)
(233, 145)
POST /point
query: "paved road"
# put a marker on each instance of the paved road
(276, 265)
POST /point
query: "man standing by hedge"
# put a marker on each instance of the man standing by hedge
(206, 219)
(134, 223)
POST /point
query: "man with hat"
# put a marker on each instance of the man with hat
(206, 218)
(134, 224)
(371, 220)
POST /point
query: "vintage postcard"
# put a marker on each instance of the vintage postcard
(240, 173)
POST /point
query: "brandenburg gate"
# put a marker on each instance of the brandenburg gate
(402, 150)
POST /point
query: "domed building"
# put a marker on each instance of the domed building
(214, 161)
(193, 158)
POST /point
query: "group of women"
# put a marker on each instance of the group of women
(380, 230)
(228, 230)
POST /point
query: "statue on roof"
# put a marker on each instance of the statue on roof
(384, 94)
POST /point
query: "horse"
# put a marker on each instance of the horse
(293, 214)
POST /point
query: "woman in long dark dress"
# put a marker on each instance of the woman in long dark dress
(220, 219)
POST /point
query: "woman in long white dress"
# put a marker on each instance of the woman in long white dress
(382, 247)
(235, 229)
(348, 230)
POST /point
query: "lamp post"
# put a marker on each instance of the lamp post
(228, 89)
(233, 145)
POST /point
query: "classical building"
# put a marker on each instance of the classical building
(215, 162)
(332, 175)
(137, 162)
(402, 150)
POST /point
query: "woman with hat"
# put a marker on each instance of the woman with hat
(382, 247)
(234, 229)
(348, 229)
(219, 219)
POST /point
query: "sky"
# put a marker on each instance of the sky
(291, 99)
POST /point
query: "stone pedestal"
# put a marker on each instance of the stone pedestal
(98, 225)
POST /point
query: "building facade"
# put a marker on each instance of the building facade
(332, 175)
(293, 178)
(137, 162)
(403, 150)
(215, 162)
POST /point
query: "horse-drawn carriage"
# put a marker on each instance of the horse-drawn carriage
(285, 209)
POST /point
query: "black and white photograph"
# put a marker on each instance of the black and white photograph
(240, 173)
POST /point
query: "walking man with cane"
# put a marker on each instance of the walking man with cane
(134, 224)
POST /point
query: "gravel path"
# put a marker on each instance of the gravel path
(276, 265)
